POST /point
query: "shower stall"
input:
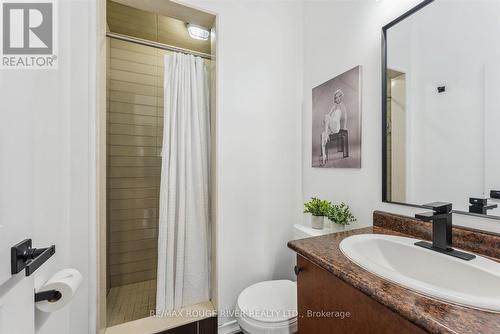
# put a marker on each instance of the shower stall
(140, 212)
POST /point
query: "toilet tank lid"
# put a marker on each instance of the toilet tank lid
(269, 301)
(307, 231)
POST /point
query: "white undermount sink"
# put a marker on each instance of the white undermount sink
(474, 283)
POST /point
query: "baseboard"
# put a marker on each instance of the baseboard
(230, 327)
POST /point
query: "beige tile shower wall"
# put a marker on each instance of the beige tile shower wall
(134, 127)
(108, 84)
(135, 134)
(153, 27)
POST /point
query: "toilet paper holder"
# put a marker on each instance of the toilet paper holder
(23, 255)
(49, 295)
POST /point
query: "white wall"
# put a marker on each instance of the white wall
(57, 107)
(63, 194)
(82, 173)
(259, 106)
(337, 36)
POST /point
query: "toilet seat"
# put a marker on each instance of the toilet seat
(268, 307)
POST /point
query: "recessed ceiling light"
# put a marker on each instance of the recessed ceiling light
(198, 32)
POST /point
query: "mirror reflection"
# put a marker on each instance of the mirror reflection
(442, 112)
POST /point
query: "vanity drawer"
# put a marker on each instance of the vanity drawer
(328, 305)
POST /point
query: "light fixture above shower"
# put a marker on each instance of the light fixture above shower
(198, 32)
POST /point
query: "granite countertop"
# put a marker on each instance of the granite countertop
(430, 314)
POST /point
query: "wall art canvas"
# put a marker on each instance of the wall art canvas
(336, 121)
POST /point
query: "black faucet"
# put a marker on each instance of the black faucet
(441, 218)
(480, 205)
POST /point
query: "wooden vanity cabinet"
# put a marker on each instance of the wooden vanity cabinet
(319, 291)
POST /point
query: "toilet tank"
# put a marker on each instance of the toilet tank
(304, 231)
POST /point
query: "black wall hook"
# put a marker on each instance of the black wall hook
(24, 256)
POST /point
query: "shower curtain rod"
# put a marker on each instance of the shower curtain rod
(157, 45)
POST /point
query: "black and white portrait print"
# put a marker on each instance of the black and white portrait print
(336, 121)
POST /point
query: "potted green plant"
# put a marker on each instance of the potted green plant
(318, 209)
(341, 216)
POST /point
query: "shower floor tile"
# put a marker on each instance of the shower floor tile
(130, 302)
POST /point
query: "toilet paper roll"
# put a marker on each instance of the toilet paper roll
(67, 282)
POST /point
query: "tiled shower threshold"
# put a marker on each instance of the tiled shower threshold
(153, 325)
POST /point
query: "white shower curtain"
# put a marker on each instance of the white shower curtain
(183, 233)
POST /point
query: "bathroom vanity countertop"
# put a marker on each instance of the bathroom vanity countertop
(430, 314)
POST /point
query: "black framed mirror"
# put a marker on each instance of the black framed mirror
(441, 106)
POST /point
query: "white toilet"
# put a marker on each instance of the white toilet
(270, 307)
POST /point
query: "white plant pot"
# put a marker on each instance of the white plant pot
(337, 227)
(318, 222)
